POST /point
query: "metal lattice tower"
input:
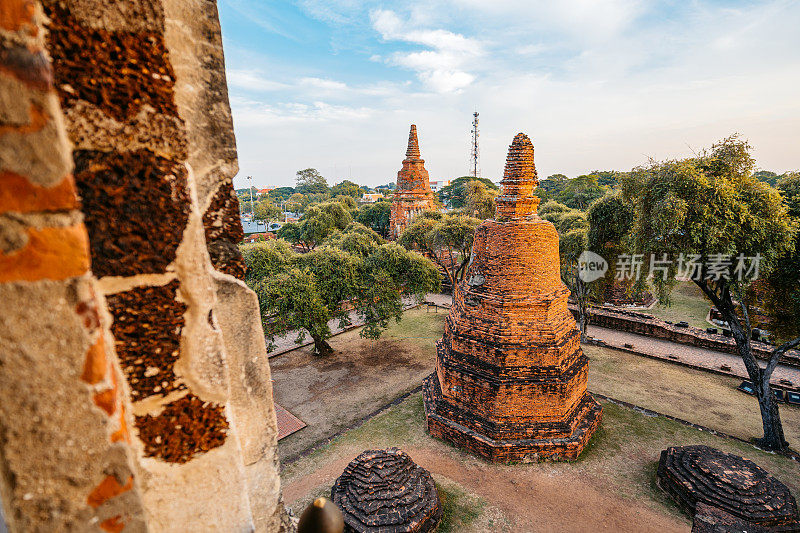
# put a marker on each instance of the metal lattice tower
(475, 155)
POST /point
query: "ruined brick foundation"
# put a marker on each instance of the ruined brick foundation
(510, 380)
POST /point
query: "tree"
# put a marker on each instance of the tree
(347, 188)
(580, 192)
(550, 187)
(318, 223)
(444, 238)
(348, 201)
(610, 219)
(570, 246)
(714, 207)
(310, 181)
(767, 177)
(280, 194)
(479, 200)
(265, 211)
(303, 292)
(781, 288)
(454, 195)
(376, 216)
(297, 203)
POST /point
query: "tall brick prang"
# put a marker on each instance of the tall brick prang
(510, 380)
(413, 194)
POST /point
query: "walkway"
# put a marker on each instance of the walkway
(685, 354)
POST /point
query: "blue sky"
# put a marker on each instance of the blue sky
(597, 84)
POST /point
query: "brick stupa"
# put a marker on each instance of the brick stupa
(510, 380)
(413, 193)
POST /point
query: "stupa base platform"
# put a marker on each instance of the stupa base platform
(526, 450)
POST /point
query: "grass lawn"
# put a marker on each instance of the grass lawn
(700, 397)
(687, 303)
(330, 393)
(612, 485)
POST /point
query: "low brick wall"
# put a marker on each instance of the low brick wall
(645, 324)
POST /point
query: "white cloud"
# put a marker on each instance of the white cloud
(252, 80)
(442, 68)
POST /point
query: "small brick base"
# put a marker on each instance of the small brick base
(447, 422)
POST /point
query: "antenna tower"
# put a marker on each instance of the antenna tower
(475, 155)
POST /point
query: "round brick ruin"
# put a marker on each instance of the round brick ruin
(696, 475)
(384, 491)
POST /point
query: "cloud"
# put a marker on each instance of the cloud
(252, 113)
(252, 80)
(442, 67)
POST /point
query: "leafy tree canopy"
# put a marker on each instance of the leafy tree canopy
(347, 188)
(310, 181)
(455, 194)
(265, 211)
(318, 223)
(303, 292)
(375, 216)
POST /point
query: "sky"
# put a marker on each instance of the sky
(597, 84)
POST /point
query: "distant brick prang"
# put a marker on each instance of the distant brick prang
(384, 491)
(413, 193)
(510, 380)
(697, 475)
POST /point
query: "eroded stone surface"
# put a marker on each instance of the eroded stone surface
(413, 193)
(692, 475)
(510, 381)
(384, 491)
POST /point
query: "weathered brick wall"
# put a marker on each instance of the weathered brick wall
(644, 324)
(187, 421)
(413, 193)
(66, 460)
(510, 381)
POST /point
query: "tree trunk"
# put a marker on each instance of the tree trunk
(773, 438)
(321, 346)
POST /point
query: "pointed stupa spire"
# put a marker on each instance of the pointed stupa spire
(519, 181)
(413, 145)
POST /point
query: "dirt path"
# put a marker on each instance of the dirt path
(534, 500)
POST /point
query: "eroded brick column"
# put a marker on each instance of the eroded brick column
(65, 455)
(136, 142)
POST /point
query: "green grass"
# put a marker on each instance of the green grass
(701, 397)
(687, 302)
(622, 457)
(419, 326)
(459, 508)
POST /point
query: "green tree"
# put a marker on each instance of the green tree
(767, 177)
(570, 246)
(280, 194)
(265, 211)
(347, 188)
(303, 292)
(318, 223)
(579, 192)
(479, 200)
(297, 203)
(781, 288)
(376, 216)
(444, 238)
(310, 181)
(550, 187)
(714, 207)
(610, 219)
(454, 195)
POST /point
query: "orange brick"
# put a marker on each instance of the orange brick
(107, 489)
(19, 194)
(107, 400)
(17, 13)
(95, 366)
(51, 253)
(122, 434)
(113, 524)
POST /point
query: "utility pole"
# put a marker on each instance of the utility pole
(252, 211)
(474, 161)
